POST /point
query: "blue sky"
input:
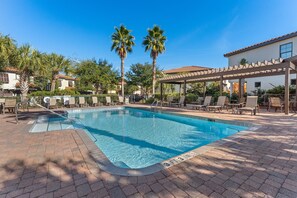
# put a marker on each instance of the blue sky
(198, 32)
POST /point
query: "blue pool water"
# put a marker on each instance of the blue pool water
(135, 138)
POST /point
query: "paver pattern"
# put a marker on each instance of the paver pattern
(58, 164)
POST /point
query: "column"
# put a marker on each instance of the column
(239, 88)
(221, 85)
(287, 91)
(204, 89)
(231, 89)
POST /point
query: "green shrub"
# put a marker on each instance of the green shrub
(190, 97)
(149, 100)
(55, 93)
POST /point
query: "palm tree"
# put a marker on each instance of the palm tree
(28, 62)
(122, 43)
(7, 49)
(55, 64)
(154, 41)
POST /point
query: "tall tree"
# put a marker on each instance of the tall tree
(7, 50)
(28, 62)
(55, 64)
(155, 42)
(122, 43)
(141, 75)
(99, 75)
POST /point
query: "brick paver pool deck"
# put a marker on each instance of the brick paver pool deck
(262, 163)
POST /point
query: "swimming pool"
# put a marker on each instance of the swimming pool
(136, 138)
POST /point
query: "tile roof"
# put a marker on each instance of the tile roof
(9, 69)
(264, 43)
(186, 69)
(61, 76)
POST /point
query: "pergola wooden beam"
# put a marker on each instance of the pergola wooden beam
(217, 78)
(259, 69)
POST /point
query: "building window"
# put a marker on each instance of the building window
(257, 84)
(286, 50)
(4, 78)
(70, 83)
(293, 81)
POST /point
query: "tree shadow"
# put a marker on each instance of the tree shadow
(256, 164)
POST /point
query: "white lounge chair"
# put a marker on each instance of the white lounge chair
(180, 103)
(71, 102)
(52, 103)
(121, 100)
(168, 101)
(275, 102)
(9, 104)
(220, 104)
(206, 103)
(95, 101)
(108, 101)
(251, 105)
(81, 101)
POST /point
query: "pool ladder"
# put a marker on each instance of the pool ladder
(155, 104)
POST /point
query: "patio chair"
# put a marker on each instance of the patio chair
(9, 104)
(95, 101)
(180, 103)
(206, 103)
(121, 100)
(81, 102)
(251, 105)
(275, 102)
(2, 101)
(168, 101)
(71, 102)
(52, 103)
(220, 104)
(108, 101)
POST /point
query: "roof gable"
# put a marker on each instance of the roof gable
(186, 69)
(264, 43)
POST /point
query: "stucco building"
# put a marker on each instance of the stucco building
(280, 47)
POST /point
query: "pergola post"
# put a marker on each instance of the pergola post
(204, 89)
(240, 88)
(287, 90)
(231, 89)
(185, 91)
(296, 91)
(180, 86)
(221, 85)
(161, 94)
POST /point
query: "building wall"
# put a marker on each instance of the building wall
(260, 54)
(13, 80)
(64, 84)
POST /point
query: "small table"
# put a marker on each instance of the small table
(234, 106)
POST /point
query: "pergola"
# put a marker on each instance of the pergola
(273, 67)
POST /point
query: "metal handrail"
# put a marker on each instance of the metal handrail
(73, 120)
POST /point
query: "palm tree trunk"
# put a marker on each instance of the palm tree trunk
(122, 75)
(53, 85)
(154, 75)
(24, 85)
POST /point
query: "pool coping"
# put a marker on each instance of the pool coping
(105, 164)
